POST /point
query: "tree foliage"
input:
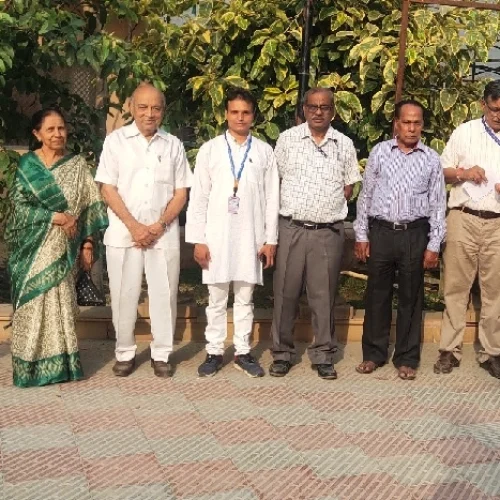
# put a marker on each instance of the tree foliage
(249, 43)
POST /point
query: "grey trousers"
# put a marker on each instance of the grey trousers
(310, 258)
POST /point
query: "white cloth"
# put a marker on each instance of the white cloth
(216, 331)
(470, 145)
(234, 240)
(126, 267)
(146, 175)
(313, 176)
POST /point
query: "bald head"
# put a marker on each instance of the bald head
(147, 106)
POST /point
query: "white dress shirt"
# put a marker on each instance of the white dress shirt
(234, 240)
(314, 176)
(146, 175)
(471, 145)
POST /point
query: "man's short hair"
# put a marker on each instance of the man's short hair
(492, 90)
(404, 102)
(233, 93)
(317, 90)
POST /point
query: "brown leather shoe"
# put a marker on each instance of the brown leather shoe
(446, 362)
(124, 368)
(162, 369)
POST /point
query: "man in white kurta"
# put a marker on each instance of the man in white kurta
(233, 223)
(144, 173)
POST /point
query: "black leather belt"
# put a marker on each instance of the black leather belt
(399, 227)
(311, 225)
(483, 214)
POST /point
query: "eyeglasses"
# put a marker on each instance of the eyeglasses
(324, 108)
(493, 111)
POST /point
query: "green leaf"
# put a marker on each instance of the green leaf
(349, 100)
(459, 114)
(377, 100)
(216, 92)
(476, 110)
(279, 101)
(438, 145)
(448, 98)
(236, 81)
(390, 69)
(326, 12)
(242, 22)
(281, 72)
(272, 130)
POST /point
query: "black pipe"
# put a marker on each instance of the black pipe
(305, 59)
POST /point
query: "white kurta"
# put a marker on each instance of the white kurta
(234, 240)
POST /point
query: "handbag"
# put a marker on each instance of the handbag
(87, 294)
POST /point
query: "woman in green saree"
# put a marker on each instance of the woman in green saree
(56, 210)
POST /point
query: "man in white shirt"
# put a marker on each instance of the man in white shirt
(232, 219)
(144, 174)
(318, 167)
(472, 159)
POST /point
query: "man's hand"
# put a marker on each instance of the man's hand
(362, 250)
(267, 254)
(475, 174)
(202, 255)
(348, 191)
(141, 235)
(431, 259)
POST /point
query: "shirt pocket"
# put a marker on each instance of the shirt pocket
(164, 172)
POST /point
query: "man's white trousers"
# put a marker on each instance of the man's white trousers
(216, 331)
(126, 267)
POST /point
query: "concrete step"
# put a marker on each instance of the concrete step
(95, 323)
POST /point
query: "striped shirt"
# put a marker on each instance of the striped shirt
(313, 175)
(403, 187)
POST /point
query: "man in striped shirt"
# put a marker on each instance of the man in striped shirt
(399, 229)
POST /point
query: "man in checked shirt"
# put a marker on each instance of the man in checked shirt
(318, 167)
(399, 229)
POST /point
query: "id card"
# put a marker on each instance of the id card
(233, 204)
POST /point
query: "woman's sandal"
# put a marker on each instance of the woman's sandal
(366, 367)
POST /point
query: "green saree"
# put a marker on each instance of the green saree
(42, 263)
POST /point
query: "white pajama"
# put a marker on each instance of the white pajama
(216, 331)
(126, 267)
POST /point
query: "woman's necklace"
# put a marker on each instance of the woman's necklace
(44, 158)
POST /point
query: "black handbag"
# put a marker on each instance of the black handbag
(87, 294)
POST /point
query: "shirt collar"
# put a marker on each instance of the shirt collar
(132, 131)
(330, 133)
(419, 147)
(234, 143)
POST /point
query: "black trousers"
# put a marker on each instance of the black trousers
(392, 251)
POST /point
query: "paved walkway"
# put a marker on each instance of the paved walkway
(234, 438)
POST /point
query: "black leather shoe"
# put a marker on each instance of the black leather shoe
(325, 371)
(492, 366)
(279, 368)
(124, 368)
(162, 369)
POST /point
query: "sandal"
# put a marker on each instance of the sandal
(407, 373)
(367, 367)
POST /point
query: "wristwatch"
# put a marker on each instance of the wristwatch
(164, 225)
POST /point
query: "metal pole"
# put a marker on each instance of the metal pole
(403, 33)
(305, 59)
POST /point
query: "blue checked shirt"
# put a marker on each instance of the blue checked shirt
(402, 187)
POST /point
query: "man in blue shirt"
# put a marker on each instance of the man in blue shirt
(399, 229)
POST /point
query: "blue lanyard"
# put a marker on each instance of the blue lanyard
(490, 132)
(237, 176)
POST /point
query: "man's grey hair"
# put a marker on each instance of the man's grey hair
(317, 90)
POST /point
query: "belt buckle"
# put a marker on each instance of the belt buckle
(309, 225)
(399, 227)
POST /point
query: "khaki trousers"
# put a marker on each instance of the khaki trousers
(472, 248)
